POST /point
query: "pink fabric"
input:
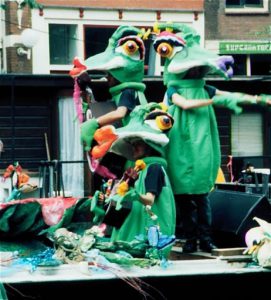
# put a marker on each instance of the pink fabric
(95, 166)
(77, 101)
(52, 208)
(104, 172)
(229, 166)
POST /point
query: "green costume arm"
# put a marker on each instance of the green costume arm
(261, 99)
(230, 101)
(88, 129)
(170, 91)
(265, 99)
(96, 208)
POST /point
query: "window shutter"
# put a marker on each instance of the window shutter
(247, 134)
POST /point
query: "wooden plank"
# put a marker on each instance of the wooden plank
(228, 251)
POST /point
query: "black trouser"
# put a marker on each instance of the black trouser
(195, 215)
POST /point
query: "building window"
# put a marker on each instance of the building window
(240, 65)
(96, 39)
(252, 65)
(246, 6)
(246, 142)
(244, 3)
(260, 64)
(69, 131)
(62, 43)
(250, 57)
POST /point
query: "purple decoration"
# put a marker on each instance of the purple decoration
(225, 64)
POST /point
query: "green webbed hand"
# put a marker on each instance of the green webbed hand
(230, 101)
(88, 129)
(131, 195)
(15, 194)
(265, 99)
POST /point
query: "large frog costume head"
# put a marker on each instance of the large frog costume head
(148, 123)
(179, 44)
(124, 56)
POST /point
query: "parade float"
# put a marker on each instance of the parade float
(62, 242)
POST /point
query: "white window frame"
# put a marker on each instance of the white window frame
(64, 67)
(248, 9)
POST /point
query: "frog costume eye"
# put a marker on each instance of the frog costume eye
(168, 44)
(163, 122)
(165, 50)
(159, 120)
(131, 46)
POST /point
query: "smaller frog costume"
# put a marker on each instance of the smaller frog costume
(143, 125)
(149, 124)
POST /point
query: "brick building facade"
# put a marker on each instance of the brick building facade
(220, 25)
(14, 62)
(77, 16)
(244, 32)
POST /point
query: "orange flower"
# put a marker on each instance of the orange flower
(22, 179)
(139, 165)
(123, 188)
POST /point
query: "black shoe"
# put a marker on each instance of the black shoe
(190, 246)
(207, 246)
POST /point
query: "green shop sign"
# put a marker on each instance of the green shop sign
(245, 47)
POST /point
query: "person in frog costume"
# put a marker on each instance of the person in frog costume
(144, 138)
(123, 59)
(193, 153)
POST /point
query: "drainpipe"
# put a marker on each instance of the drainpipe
(19, 13)
(12, 100)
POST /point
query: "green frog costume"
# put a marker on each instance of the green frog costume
(150, 124)
(124, 60)
(193, 153)
(194, 149)
(143, 125)
(163, 207)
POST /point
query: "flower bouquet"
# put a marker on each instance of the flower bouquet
(113, 204)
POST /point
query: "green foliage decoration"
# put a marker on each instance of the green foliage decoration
(31, 3)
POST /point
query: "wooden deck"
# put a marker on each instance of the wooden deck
(197, 274)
